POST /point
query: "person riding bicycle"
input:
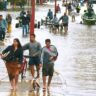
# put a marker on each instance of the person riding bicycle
(50, 14)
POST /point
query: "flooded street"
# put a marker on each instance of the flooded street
(81, 62)
(76, 63)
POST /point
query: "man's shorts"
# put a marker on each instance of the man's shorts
(65, 24)
(34, 61)
(48, 69)
(56, 26)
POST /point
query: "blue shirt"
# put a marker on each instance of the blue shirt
(3, 24)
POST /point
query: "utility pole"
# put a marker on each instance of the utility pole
(55, 6)
(32, 17)
(41, 2)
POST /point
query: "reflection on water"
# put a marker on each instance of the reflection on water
(13, 93)
(81, 63)
(32, 93)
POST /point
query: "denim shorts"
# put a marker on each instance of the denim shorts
(34, 61)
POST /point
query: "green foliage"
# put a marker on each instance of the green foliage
(21, 2)
(1, 5)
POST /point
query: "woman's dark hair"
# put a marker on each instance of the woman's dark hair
(19, 44)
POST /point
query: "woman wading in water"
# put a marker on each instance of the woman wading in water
(13, 55)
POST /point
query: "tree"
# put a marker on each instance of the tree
(23, 2)
(20, 3)
(1, 5)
